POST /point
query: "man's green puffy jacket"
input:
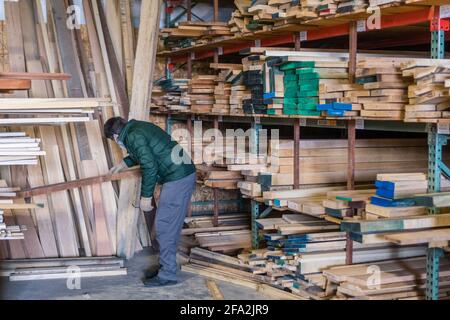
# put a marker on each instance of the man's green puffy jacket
(152, 148)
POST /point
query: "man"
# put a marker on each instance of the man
(153, 149)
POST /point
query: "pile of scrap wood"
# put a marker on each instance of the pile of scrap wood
(382, 77)
(48, 269)
(16, 148)
(188, 33)
(201, 93)
(429, 98)
(403, 279)
(230, 269)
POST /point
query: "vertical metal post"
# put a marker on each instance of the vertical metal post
(433, 256)
(297, 154)
(435, 143)
(255, 231)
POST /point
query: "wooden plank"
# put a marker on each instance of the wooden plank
(142, 88)
(419, 237)
(214, 290)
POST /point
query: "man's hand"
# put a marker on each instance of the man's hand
(146, 204)
(118, 168)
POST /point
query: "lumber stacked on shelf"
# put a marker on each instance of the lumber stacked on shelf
(173, 95)
(346, 6)
(293, 80)
(340, 99)
(429, 98)
(347, 204)
(219, 177)
(382, 77)
(253, 80)
(16, 148)
(188, 33)
(327, 7)
(229, 75)
(201, 93)
(399, 279)
(325, 161)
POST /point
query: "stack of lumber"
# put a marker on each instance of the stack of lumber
(295, 78)
(406, 230)
(307, 9)
(240, 18)
(219, 177)
(195, 33)
(201, 93)
(345, 6)
(238, 94)
(50, 269)
(395, 195)
(429, 98)
(230, 234)
(16, 148)
(325, 161)
(347, 204)
(340, 99)
(253, 80)
(228, 76)
(49, 111)
(388, 95)
(400, 279)
(327, 7)
(174, 95)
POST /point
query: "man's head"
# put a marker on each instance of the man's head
(113, 127)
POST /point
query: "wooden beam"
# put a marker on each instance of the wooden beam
(76, 184)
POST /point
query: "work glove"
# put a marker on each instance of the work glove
(118, 168)
(146, 204)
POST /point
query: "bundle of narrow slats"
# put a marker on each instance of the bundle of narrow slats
(429, 99)
(16, 148)
(47, 269)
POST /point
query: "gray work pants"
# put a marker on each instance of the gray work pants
(172, 209)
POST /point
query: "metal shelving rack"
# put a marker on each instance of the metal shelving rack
(428, 12)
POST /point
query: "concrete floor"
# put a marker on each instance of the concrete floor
(129, 287)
